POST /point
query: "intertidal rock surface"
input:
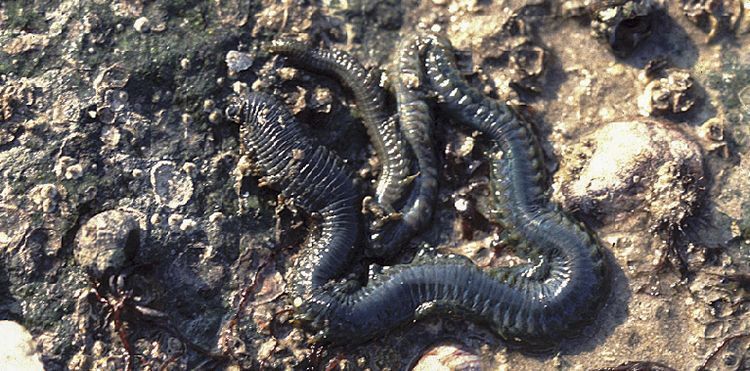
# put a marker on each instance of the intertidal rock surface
(112, 121)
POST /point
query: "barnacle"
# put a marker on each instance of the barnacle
(624, 24)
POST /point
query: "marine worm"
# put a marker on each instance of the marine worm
(308, 174)
(560, 288)
(369, 97)
(416, 125)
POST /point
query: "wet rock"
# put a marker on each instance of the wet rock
(630, 166)
(173, 187)
(449, 357)
(66, 108)
(668, 90)
(233, 12)
(108, 240)
(732, 354)
(16, 100)
(624, 24)
(17, 348)
(640, 366)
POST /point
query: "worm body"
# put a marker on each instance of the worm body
(560, 287)
(308, 174)
(416, 121)
(368, 95)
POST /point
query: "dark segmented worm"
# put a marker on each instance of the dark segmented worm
(559, 289)
(416, 125)
(369, 98)
(308, 174)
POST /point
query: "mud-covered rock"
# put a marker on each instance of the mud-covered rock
(635, 165)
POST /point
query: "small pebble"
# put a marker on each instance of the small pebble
(189, 168)
(216, 217)
(239, 87)
(142, 25)
(188, 225)
(175, 220)
(215, 116)
(186, 119)
(208, 105)
(107, 241)
(159, 27)
(287, 73)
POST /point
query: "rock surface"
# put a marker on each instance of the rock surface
(111, 120)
